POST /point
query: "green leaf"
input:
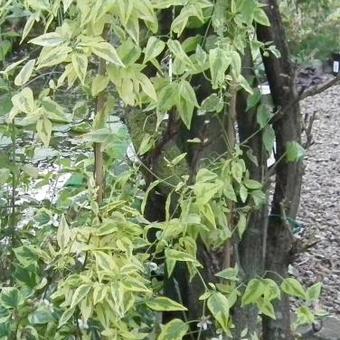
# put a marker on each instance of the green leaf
(108, 227)
(242, 224)
(185, 110)
(263, 115)
(236, 64)
(50, 56)
(153, 49)
(206, 191)
(251, 184)
(66, 316)
(295, 152)
(205, 175)
(129, 52)
(237, 171)
(80, 63)
(164, 304)
(147, 86)
(191, 10)
(172, 256)
(104, 261)
(25, 255)
(219, 62)
(67, 4)
(28, 26)
(255, 289)
(272, 290)
(259, 197)
(268, 138)
(266, 308)
(229, 274)
(178, 159)
(44, 130)
(293, 287)
(304, 316)
(99, 293)
(146, 144)
(107, 52)
(188, 93)
(229, 192)
(12, 66)
(213, 103)
(178, 51)
(218, 305)
(313, 292)
(174, 330)
(260, 16)
(80, 293)
(254, 99)
(10, 297)
(41, 316)
(252, 157)
(54, 111)
(63, 233)
(243, 82)
(25, 73)
(243, 193)
(48, 40)
(99, 84)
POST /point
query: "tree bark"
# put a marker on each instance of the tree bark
(287, 128)
(251, 248)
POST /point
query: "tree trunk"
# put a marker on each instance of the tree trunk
(287, 128)
(251, 248)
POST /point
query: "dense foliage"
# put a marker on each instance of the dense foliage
(79, 264)
(306, 22)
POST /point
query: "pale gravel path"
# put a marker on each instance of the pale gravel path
(320, 200)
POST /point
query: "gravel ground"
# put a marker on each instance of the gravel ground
(320, 200)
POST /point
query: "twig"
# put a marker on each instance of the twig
(308, 131)
(311, 92)
(319, 89)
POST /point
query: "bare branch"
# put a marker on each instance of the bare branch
(309, 93)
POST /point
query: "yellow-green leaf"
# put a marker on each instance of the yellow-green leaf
(80, 293)
(67, 4)
(107, 52)
(29, 24)
(174, 330)
(266, 308)
(313, 292)
(25, 73)
(12, 66)
(293, 287)
(164, 304)
(50, 56)
(80, 63)
(66, 316)
(48, 39)
(153, 49)
(44, 130)
(242, 225)
(219, 307)
(147, 86)
(261, 17)
(99, 84)
(63, 233)
(24, 101)
(255, 288)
